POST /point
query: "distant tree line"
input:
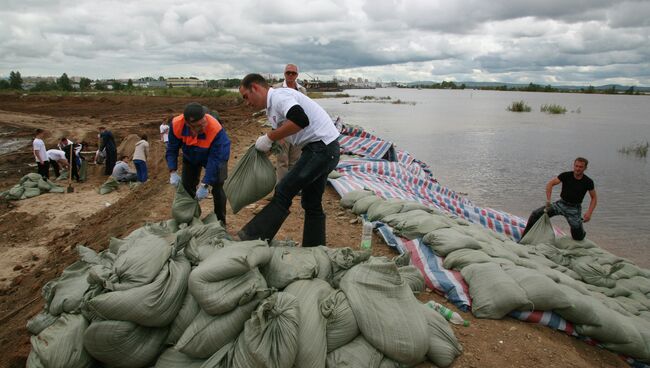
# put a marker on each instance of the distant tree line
(443, 85)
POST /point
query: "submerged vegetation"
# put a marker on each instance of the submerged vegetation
(636, 149)
(553, 109)
(518, 106)
(314, 95)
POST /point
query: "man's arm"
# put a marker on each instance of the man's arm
(549, 188)
(219, 154)
(288, 128)
(173, 146)
(592, 205)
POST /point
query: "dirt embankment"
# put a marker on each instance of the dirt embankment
(38, 235)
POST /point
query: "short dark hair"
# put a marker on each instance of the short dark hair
(38, 131)
(144, 137)
(583, 160)
(102, 128)
(193, 111)
(123, 157)
(254, 78)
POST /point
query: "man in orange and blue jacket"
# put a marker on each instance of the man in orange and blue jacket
(205, 144)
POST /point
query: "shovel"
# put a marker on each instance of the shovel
(70, 188)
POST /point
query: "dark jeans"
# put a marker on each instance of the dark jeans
(141, 169)
(309, 175)
(572, 213)
(190, 178)
(111, 159)
(56, 168)
(44, 169)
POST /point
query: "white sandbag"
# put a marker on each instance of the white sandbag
(207, 334)
(152, 305)
(289, 264)
(312, 337)
(359, 354)
(443, 345)
(386, 311)
(494, 293)
(61, 344)
(172, 358)
(341, 325)
(124, 344)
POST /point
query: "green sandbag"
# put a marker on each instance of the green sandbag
(61, 344)
(540, 290)
(494, 293)
(31, 184)
(172, 358)
(83, 170)
(595, 274)
(109, 185)
(541, 232)
(446, 240)
(31, 192)
(350, 198)
(35, 177)
(185, 316)
(65, 293)
(443, 345)
(289, 264)
(341, 325)
(419, 226)
(389, 207)
(184, 207)
(16, 192)
(398, 219)
(40, 322)
(361, 206)
(342, 260)
(358, 353)
(413, 277)
(252, 179)
(566, 242)
(57, 189)
(460, 258)
(44, 185)
(63, 175)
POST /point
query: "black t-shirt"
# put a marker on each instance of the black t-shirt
(574, 190)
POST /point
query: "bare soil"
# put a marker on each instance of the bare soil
(38, 235)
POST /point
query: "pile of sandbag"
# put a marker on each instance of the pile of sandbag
(605, 296)
(31, 185)
(184, 294)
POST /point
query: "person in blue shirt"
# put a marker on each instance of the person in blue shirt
(205, 144)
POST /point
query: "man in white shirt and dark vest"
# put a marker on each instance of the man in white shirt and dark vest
(302, 122)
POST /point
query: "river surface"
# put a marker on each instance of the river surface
(503, 160)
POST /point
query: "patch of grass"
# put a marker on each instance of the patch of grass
(518, 106)
(636, 149)
(553, 109)
(315, 95)
(190, 92)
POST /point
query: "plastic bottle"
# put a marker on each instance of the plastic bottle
(366, 235)
(449, 314)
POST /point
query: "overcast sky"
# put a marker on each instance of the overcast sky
(546, 41)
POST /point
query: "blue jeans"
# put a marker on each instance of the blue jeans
(572, 213)
(141, 169)
(309, 175)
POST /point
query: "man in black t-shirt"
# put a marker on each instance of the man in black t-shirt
(575, 184)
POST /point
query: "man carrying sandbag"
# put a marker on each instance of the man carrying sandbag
(302, 122)
(205, 144)
(575, 184)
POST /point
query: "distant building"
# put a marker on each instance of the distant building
(150, 83)
(186, 82)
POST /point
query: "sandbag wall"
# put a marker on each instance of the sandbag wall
(31, 185)
(605, 296)
(186, 295)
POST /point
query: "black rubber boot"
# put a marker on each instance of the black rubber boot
(313, 234)
(265, 224)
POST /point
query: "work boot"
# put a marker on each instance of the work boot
(313, 234)
(265, 224)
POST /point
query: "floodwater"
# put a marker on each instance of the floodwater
(503, 160)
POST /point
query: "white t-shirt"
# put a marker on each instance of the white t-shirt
(320, 128)
(56, 155)
(41, 153)
(164, 130)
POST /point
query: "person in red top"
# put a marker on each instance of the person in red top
(205, 144)
(575, 184)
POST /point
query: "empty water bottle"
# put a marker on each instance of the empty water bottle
(449, 314)
(366, 235)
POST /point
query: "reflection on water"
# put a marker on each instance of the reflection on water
(503, 159)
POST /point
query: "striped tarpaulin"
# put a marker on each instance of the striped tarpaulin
(366, 147)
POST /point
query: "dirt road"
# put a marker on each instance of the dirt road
(38, 235)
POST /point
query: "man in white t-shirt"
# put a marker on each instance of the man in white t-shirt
(300, 121)
(57, 160)
(40, 154)
(164, 131)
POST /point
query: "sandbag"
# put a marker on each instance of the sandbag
(184, 207)
(124, 344)
(543, 293)
(349, 198)
(341, 325)
(172, 358)
(421, 225)
(387, 313)
(461, 258)
(381, 209)
(200, 241)
(252, 179)
(61, 344)
(184, 318)
(567, 242)
(312, 337)
(446, 240)
(595, 274)
(219, 297)
(413, 278)
(31, 192)
(343, 259)
(494, 293)
(40, 322)
(289, 264)
(359, 354)
(152, 305)
(541, 232)
(207, 334)
(233, 259)
(398, 219)
(443, 345)
(361, 206)
(109, 185)
(65, 293)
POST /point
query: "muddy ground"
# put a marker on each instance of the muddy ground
(38, 235)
